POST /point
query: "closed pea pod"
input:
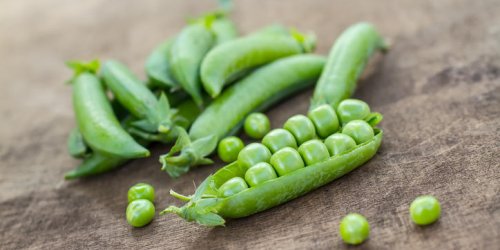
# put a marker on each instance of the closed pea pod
(228, 60)
(224, 30)
(346, 62)
(286, 160)
(259, 173)
(301, 127)
(279, 138)
(224, 116)
(158, 67)
(97, 122)
(188, 50)
(324, 119)
(339, 143)
(359, 130)
(313, 151)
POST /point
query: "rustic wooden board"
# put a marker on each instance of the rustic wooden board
(439, 89)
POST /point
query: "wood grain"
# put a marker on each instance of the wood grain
(438, 88)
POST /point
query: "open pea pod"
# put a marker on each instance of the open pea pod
(208, 208)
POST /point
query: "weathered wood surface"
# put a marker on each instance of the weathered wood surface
(438, 87)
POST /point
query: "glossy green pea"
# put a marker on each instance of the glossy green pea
(140, 212)
(346, 62)
(256, 92)
(358, 130)
(141, 191)
(186, 55)
(313, 151)
(96, 121)
(252, 154)
(259, 173)
(354, 229)
(279, 138)
(325, 120)
(286, 160)
(257, 125)
(231, 58)
(229, 148)
(301, 127)
(232, 187)
(339, 143)
(352, 109)
(425, 210)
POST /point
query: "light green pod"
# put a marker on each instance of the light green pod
(158, 67)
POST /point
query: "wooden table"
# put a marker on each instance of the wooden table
(438, 88)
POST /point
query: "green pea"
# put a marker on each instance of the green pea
(352, 109)
(286, 160)
(141, 191)
(232, 187)
(313, 151)
(325, 120)
(359, 130)
(257, 125)
(260, 173)
(140, 212)
(229, 148)
(301, 127)
(252, 154)
(425, 210)
(278, 139)
(354, 229)
(339, 143)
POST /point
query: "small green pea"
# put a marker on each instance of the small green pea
(229, 148)
(257, 125)
(339, 143)
(352, 109)
(260, 173)
(232, 187)
(286, 160)
(325, 120)
(278, 139)
(359, 130)
(301, 127)
(140, 212)
(354, 229)
(141, 191)
(313, 151)
(252, 154)
(425, 210)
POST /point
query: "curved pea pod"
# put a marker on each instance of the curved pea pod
(158, 67)
(346, 62)
(155, 115)
(97, 163)
(206, 207)
(188, 50)
(225, 115)
(96, 121)
(224, 30)
(76, 145)
(227, 61)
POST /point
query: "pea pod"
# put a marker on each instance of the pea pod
(346, 62)
(155, 115)
(158, 67)
(228, 60)
(224, 30)
(208, 208)
(96, 121)
(225, 115)
(188, 50)
(97, 163)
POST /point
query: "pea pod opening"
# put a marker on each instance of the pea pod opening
(207, 208)
(345, 64)
(224, 116)
(227, 61)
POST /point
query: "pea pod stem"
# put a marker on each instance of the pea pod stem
(225, 115)
(270, 193)
(345, 64)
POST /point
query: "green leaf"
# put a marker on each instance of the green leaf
(210, 219)
(206, 145)
(80, 67)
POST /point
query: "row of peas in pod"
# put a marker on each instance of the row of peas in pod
(303, 141)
